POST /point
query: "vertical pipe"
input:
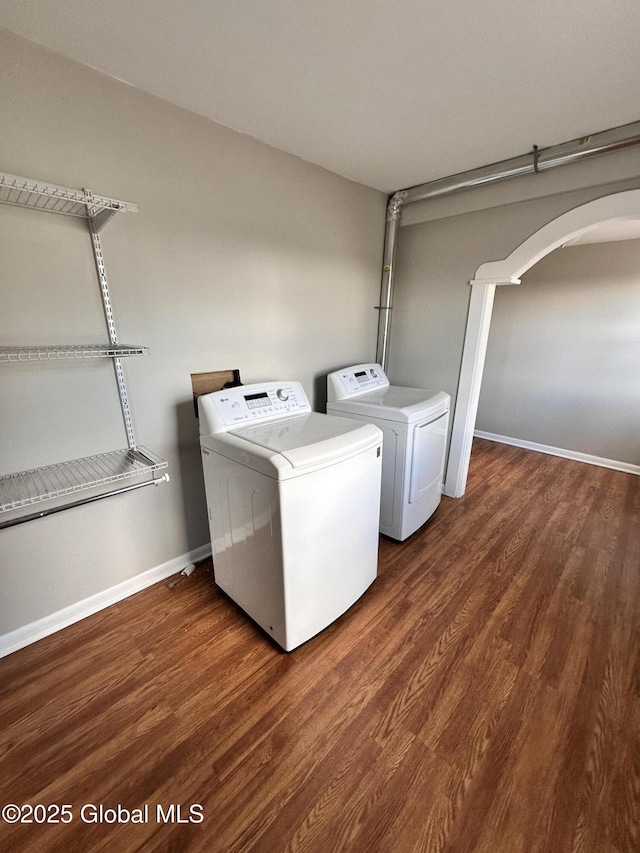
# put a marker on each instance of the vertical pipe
(394, 215)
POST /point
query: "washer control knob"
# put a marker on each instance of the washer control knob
(282, 394)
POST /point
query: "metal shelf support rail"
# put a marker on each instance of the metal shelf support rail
(108, 313)
(67, 478)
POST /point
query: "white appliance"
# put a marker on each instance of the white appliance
(293, 499)
(414, 423)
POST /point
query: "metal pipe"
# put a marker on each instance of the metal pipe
(538, 160)
(589, 146)
(512, 168)
(91, 499)
(394, 211)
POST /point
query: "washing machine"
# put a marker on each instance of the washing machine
(293, 499)
(414, 423)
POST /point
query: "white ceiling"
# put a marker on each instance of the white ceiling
(389, 93)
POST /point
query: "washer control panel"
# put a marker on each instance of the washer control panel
(363, 377)
(251, 403)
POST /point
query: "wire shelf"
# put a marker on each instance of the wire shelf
(79, 475)
(25, 192)
(69, 351)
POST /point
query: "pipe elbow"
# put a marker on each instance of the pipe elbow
(395, 205)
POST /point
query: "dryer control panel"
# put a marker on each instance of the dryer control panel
(246, 404)
(355, 380)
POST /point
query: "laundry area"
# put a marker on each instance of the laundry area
(320, 359)
(205, 251)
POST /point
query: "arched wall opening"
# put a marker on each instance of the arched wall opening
(586, 218)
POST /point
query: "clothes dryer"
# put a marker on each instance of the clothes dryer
(414, 423)
(293, 500)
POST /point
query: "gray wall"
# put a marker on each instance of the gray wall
(438, 257)
(563, 360)
(241, 257)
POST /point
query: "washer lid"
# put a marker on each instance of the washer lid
(312, 439)
(396, 403)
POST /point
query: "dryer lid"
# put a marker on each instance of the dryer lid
(312, 439)
(396, 403)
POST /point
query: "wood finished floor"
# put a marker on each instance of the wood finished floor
(484, 695)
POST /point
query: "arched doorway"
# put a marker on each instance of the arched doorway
(588, 217)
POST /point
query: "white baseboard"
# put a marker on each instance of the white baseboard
(627, 467)
(28, 634)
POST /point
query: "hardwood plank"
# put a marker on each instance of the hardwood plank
(517, 816)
